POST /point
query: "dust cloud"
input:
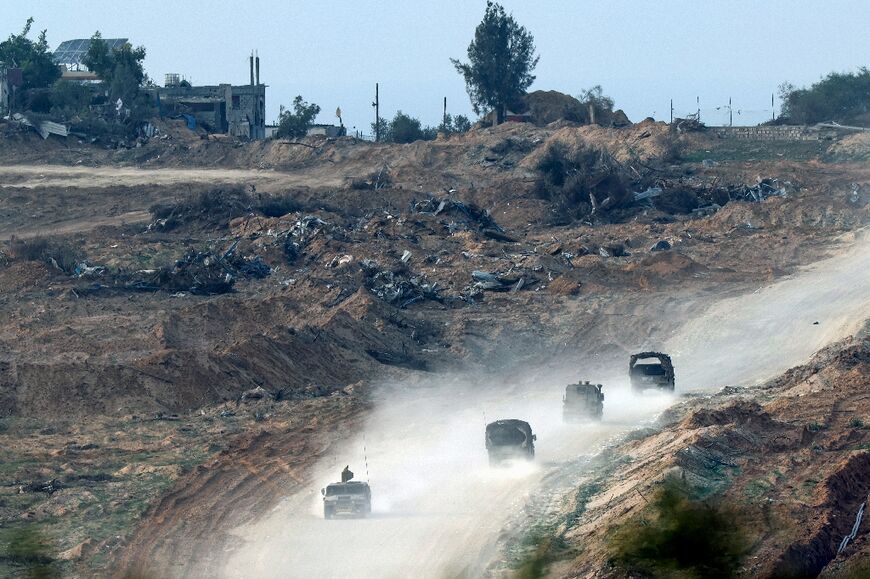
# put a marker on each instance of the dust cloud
(438, 508)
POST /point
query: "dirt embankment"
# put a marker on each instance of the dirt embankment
(790, 455)
(364, 282)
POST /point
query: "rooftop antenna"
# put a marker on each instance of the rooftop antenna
(366, 459)
(377, 104)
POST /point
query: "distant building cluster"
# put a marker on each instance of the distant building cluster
(239, 111)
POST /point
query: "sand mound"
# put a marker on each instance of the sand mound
(852, 148)
(643, 142)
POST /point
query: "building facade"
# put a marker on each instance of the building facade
(4, 91)
(236, 110)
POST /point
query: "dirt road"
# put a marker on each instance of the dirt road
(32, 176)
(437, 507)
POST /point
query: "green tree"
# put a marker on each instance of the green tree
(69, 98)
(595, 96)
(37, 66)
(405, 129)
(501, 60)
(381, 130)
(841, 97)
(457, 124)
(295, 124)
(120, 69)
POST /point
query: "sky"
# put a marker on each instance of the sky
(332, 52)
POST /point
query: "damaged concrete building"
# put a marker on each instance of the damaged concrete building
(10, 79)
(239, 111)
(4, 90)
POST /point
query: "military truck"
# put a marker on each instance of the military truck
(582, 401)
(651, 370)
(347, 498)
(509, 439)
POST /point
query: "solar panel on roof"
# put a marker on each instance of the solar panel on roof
(74, 51)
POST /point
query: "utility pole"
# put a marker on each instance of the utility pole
(730, 114)
(672, 111)
(772, 110)
(377, 104)
(444, 116)
(698, 102)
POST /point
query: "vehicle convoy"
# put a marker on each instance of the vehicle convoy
(509, 439)
(347, 498)
(657, 371)
(582, 401)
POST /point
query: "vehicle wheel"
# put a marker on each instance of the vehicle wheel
(327, 513)
(493, 462)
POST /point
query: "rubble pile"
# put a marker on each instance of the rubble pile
(691, 195)
(197, 273)
(471, 217)
(399, 288)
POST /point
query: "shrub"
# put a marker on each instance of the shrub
(682, 536)
(52, 252)
(69, 98)
(580, 184)
(27, 548)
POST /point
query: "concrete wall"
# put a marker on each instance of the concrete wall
(775, 133)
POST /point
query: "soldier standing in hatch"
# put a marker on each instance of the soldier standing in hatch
(346, 474)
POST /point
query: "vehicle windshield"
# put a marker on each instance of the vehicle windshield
(333, 490)
(651, 369)
(581, 392)
(506, 435)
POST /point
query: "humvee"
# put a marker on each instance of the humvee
(582, 401)
(656, 371)
(347, 498)
(508, 439)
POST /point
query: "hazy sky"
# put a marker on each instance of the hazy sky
(332, 52)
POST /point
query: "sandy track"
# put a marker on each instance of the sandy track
(33, 176)
(438, 509)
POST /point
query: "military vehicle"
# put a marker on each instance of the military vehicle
(347, 498)
(582, 401)
(656, 371)
(509, 439)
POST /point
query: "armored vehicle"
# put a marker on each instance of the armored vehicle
(347, 498)
(509, 439)
(582, 401)
(655, 371)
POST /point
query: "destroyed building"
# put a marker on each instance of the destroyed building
(239, 111)
(4, 90)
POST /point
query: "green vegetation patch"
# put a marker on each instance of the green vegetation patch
(678, 536)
